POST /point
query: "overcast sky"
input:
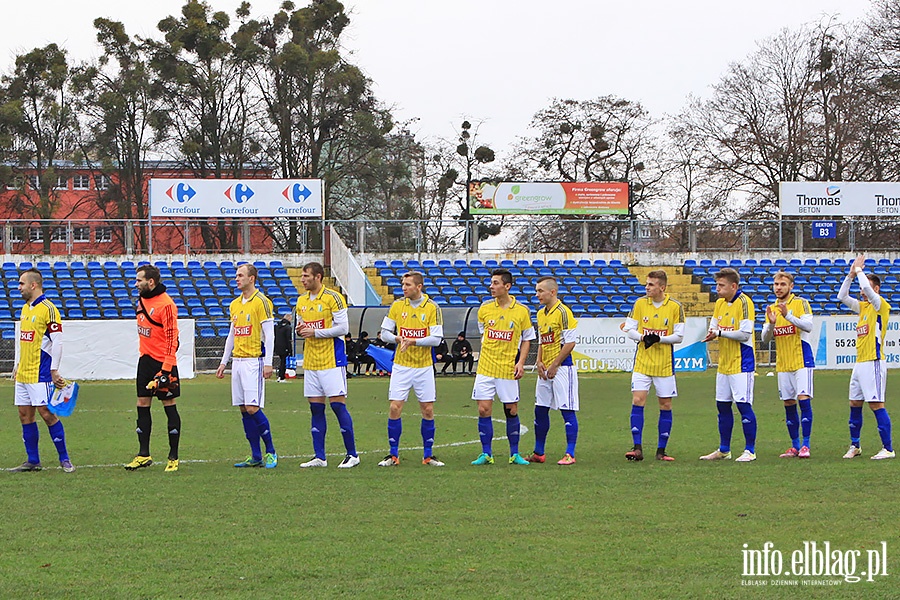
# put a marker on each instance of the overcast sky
(496, 61)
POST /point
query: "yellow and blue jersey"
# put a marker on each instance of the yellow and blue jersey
(659, 359)
(39, 319)
(503, 330)
(552, 321)
(734, 356)
(415, 322)
(870, 330)
(247, 319)
(792, 345)
(318, 312)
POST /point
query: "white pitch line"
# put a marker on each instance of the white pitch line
(522, 430)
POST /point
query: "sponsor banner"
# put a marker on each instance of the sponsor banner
(235, 198)
(833, 341)
(594, 198)
(109, 349)
(839, 198)
(603, 346)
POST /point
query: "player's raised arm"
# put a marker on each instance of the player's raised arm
(844, 292)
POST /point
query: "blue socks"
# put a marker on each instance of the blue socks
(512, 432)
(427, 430)
(792, 420)
(571, 419)
(30, 437)
(252, 433)
(665, 428)
(395, 429)
(318, 428)
(884, 427)
(806, 420)
(748, 421)
(262, 426)
(346, 423)
(541, 428)
(856, 420)
(486, 433)
(637, 424)
(58, 435)
(726, 424)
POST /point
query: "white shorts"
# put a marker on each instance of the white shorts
(734, 388)
(559, 393)
(487, 387)
(867, 381)
(33, 394)
(792, 384)
(665, 386)
(419, 379)
(247, 385)
(325, 383)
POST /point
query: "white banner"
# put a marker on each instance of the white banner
(839, 198)
(834, 342)
(602, 346)
(109, 349)
(235, 198)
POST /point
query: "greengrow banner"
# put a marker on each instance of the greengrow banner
(839, 198)
(594, 198)
(236, 198)
(603, 346)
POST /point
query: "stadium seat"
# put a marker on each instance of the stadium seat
(93, 313)
(110, 313)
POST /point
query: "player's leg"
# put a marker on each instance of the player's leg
(787, 391)
(146, 370)
(254, 386)
(173, 424)
(251, 429)
(742, 389)
(881, 414)
(483, 393)
(426, 392)
(565, 397)
(665, 391)
(640, 388)
(398, 392)
(543, 400)
(57, 432)
(804, 383)
(30, 432)
(856, 396)
(725, 418)
(508, 393)
(336, 390)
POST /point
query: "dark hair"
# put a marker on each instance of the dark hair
(874, 279)
(729, 275)
(363, 334)
(34, 276)
(461, 334)
(504, 275)
(252, 271)
(418, 278)
(315, 269)
(150, 272)
(660, 276)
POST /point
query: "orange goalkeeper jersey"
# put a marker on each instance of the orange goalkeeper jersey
(157, 322)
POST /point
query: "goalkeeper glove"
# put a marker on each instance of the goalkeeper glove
(164, 383)
(650, 339)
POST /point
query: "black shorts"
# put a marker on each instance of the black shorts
(147, 369)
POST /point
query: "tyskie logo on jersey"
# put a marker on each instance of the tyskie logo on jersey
(26, 336)
(548, 337)
(417, 334)
(785, 330)
(862, 330)
(659, 332)
(144, 331)
(500, 335)
(243, 330)
(320, 324)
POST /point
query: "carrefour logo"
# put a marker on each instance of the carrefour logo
(239, 193)
(297, 193)
(181, 192)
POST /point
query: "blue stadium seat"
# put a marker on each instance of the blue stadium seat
(110, 313)
(491, 264)
(198, 312)
(455, 301)
(93, 313)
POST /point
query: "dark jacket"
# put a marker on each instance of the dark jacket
(283, 333)
(461, 347)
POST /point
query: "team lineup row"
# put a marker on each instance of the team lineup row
(414, 324)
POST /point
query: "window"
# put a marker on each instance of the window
(81, 182)
(35, 234)
(81, 234)
(17, 234)
(62, 183)
(58, 235)
(16, 183)
(103, 234)
(33, 182)
(101, 182)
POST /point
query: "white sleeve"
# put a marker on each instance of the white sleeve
(229, 346)
(339, 328)
(56, 348)
(767, 330)
(268, 331)
(631, 331)
(528, 335)
(570, 336)
(844, 295)
(866, 286)
(803, 322)
(740, 335)
(435, 335)
(480, 327)
(388, 336)
(677, 335)
(713, 324)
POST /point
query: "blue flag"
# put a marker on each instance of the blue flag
(384, 359)
(62, 402)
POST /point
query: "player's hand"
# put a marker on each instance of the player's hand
(220, 372)
(541, 370)
(650, 339)
(551, 371)
(267, 371)
(519, 371)
(163, 381)
(306, 332)
(58, 380)
(770, 315)
(710, 335)
(782, 308)
(406, 342)
(858, 263)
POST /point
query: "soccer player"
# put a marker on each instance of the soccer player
(37, 372)
(557, 384)
(506, 329)
(789, 320)
(656, 323)
(869, 373)
(732, 323)
(323, 323)
(420, 327)
(250, 345)
(157, 371)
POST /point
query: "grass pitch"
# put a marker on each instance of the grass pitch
(603, 528)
